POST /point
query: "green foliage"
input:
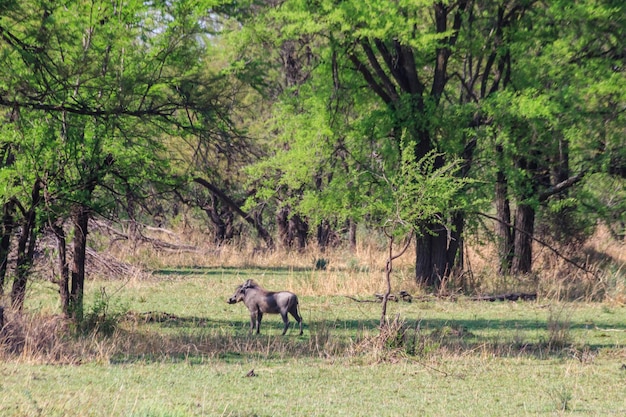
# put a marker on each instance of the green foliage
(103, 316)
(94, 95)
(604, 199)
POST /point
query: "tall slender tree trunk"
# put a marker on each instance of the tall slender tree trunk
(352, 235)
(5, 240)
(26, 249)
(524, 224)
(504, 234)
(81, 221)
(282, 223)
(64, 279)
(524, 229)
(454, 253)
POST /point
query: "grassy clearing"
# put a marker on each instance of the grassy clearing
(468, 385)
(168, 344)
(178, 349)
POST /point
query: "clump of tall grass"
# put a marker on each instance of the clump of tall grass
(102, 316)
(387, 345)
(34, 337)
(558, 327)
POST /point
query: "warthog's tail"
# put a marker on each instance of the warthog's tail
(299, 314)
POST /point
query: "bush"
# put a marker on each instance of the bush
(101, 317)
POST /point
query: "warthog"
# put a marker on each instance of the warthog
(260, 301)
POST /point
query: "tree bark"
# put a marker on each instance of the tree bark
(454, 253)
(292, 229)
(222, 221)
(64, 279)
(504, 234)
(431, 264)
(324, 232)
(25, 249)
(81, 220)
(5, 240)
(352, 235)
(524, 229)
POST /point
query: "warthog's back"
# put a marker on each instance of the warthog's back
(275, 302)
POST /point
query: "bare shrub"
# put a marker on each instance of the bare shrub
(388, 345)
(34, 338)
(558, 326)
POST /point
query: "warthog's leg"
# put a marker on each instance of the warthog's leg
(286, 321)
(259, 316)
(252, 321)
(294, 312)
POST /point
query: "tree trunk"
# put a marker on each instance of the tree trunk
(81, 221)
(300, 230)
(388, 269)
(352, 235)
(222, 219)
(292, 229)
(5, 241)
(25, 249)
(431, 264)
(324, 232)
(219, 227)
(64, 279)
(504, 234)
(454, 256)
(282, 223)
(252, 220)
(524, 229)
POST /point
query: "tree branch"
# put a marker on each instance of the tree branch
(541, 242)
(560, 187)
(235, 207)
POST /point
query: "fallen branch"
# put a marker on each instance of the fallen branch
(362, 301)
(514, 296)
(609, 330)
(98, 262)
(402, 295)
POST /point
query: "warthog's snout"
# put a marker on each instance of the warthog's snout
(231, 300)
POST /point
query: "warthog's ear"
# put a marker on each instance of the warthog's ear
(248, 284)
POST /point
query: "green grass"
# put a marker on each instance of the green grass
(183, 351)
(465, 385)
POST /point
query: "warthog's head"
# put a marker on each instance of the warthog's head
(240, 292)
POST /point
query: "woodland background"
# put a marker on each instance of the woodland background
(316, 125)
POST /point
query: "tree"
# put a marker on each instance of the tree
(95, 86)
(549, 128)
(513, 82)
(384, 75)
(421, 198)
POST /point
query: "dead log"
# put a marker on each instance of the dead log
(378, 298)
(514, 296)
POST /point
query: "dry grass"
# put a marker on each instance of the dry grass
(361, 272)
(34, 338)
(44, 338)
(595, 271)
